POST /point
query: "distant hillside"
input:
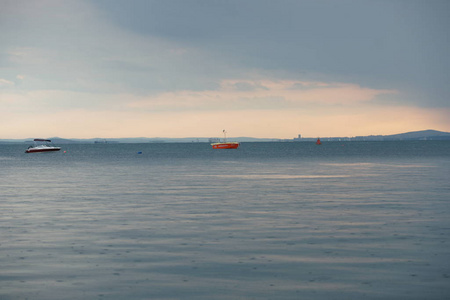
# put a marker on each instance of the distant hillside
(425, 134)
(413, 135)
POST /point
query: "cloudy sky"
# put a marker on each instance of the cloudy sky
(184, 68)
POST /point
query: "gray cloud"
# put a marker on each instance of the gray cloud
(147, 46)
(383, 44)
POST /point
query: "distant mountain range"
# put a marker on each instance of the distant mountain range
(418, 135)
(415, 135)
(408, 136)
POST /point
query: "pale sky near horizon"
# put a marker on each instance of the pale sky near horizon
(191, 68)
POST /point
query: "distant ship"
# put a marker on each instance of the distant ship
(42, 145)
(225, 144)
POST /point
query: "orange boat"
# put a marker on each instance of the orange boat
(229, 145)
(225, 144)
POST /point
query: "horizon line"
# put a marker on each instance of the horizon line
(240, 137)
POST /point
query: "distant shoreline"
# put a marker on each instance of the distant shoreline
(424, 135)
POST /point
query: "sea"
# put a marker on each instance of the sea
(343, 220)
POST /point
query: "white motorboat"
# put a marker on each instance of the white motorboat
(42, 145)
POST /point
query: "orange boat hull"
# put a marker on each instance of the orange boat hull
(225, 145)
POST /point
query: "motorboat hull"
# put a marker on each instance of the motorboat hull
(231, 145)
(46, 149)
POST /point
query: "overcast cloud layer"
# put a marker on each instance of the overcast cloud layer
(192, 68)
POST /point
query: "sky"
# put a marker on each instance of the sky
(192, 68)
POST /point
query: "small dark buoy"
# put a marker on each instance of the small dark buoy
(140, 152)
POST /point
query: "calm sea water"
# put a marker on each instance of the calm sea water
(351, 220)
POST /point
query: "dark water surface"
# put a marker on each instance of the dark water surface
(354, 220)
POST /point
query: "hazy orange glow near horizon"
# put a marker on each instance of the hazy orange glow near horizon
(89, 69)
